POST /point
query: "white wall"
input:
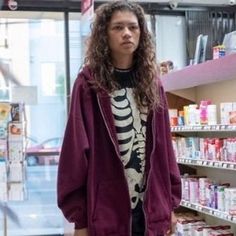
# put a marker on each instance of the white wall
(171, 40)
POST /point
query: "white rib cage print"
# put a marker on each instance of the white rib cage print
(130, 125)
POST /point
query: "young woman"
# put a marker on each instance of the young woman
(117, 173)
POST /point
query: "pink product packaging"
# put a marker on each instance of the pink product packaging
(207, 230)
(3, 148)
(205, 150)
(211, 149)
(182, 227)
(229, 150)
(220, 233)
(232, 207)
(195, 226)
(203, 111)
(218, 148)
(203, 185)
(185, 189)
(193, 190)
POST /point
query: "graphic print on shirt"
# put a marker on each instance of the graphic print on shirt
(130, 125)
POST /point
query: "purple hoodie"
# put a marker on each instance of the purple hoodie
(92, 188)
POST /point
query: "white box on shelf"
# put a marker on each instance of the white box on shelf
(225, 109)
(15, 172)
(15, 151)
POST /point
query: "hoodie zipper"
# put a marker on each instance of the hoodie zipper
(118, 155)
(148, 177)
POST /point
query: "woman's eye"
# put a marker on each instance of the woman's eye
(118, 27)
(134, 27)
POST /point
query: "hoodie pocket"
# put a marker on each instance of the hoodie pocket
(112, 208)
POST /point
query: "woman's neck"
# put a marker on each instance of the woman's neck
(123, 63)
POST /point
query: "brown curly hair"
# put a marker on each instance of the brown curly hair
(98, 55)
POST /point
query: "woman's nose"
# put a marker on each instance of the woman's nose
(126, 32)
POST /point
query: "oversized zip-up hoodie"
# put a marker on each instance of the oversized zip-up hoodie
(92, 188)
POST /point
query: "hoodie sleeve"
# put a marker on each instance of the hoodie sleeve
(173, 166)
(72, 169)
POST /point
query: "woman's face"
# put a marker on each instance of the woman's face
(123, 33)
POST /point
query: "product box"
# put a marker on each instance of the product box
(218, 51)
(182, 227)
(16, 173)
(225, 109)
(15, 151)
(173, 115)
(15, 131)
(232, 117)
(3, 149)
(17, 112)
(4, 111)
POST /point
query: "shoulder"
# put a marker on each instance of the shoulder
(159, 86)
(82, 82)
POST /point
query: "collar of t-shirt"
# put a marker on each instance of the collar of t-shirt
(125, 77)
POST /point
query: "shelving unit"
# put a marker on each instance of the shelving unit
(209, 211)
(12, 155)
(212, 71)
(204, 128)
(214, 80)
(209, 164)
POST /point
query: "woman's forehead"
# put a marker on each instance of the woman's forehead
(123, 17)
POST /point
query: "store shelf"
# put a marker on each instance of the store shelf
(209, 211)
(208, 163)
(212, 71)
(204, 128)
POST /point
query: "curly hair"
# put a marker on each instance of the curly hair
(98, 55)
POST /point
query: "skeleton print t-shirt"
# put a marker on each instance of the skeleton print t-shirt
(130, 123)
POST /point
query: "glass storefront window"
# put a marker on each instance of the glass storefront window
(32, 48)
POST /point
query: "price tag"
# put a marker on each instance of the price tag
(210, 163)
(225, 216)
(217, 127)
(216, 213)
(199, 208)
(224, 165)
(216, 164)
(231, 166)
